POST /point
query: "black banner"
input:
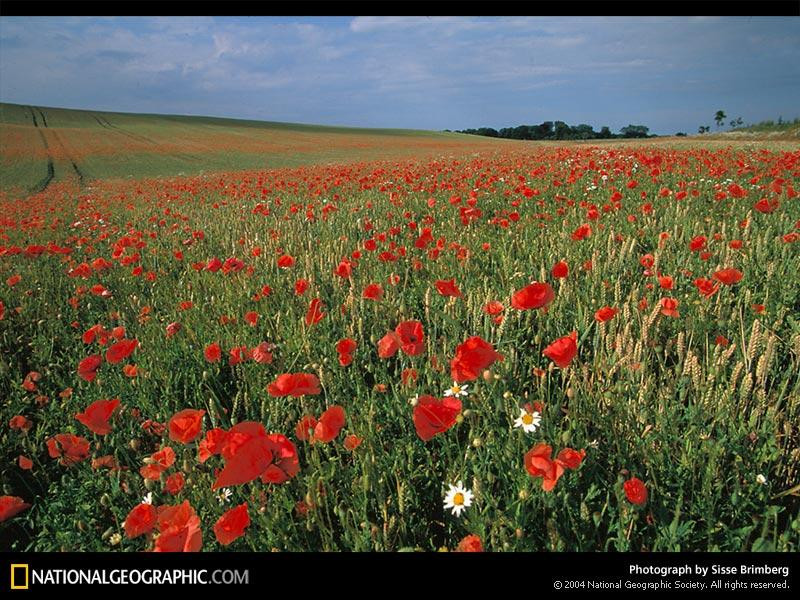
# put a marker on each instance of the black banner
(450, 572)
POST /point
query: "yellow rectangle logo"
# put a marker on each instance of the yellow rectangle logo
(17, 575)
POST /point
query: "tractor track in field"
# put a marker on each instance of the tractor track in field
(51, 169)
(58, 139)
(103, 122)
(134, 136)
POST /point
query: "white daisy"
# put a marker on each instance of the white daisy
(761, 479)
(528, 421)
(148, 499)
(457, 498)
(225, 495)
(457, 390)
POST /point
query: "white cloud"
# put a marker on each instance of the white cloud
(399, 67)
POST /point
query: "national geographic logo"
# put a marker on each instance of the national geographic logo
(22, 576)
(19, 577)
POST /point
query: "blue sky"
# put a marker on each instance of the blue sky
(671, 74)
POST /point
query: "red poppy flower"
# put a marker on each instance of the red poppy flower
(433, 416)
(314, 314)
(345, 348)
(470, 543)
(448, 288)
(295, 385)
(582, 232)
(605, 314)
(141, 520)
(539, 464)
(330, 424)
(351, 442)
(179, 528)
(92, 333)
(766, 206)
(262, 353)
(211, 445)
(247, 454)
(635, 491)
(71, 449)
(159, 462)
(29, 383)
(669, 307)
(174, 483)
(560, 270)
(214, 265)
(11, 506)
(388, 345)
(493, 308)
(697, 243)
(344, 269)
(666, 282)
(87, 368)
(563, 350)
(185, 426)
(471, 358)
(251, 318)
(304, 429)
(25, 463)
(97, 414)
(130, 370)
(300, 287)
(411, 336)
(231, 525)
(285, 261)
(286, 463)
(536, 295)
(21, 423)
(706, 287)
(373, 292)
(570, 458)
(238, 354)
(728, 276)
(213, 352)
(120, 351)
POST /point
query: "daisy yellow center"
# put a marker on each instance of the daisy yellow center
(527, 418)
(458, 499)
(455, 389)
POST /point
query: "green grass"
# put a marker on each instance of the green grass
(772, 126)
(647, 395)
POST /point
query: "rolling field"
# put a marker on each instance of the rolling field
(328, 339)
(40, 146)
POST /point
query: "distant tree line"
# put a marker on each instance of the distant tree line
(720, 117)
(558, 130)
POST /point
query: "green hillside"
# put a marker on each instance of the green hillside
(42, 145)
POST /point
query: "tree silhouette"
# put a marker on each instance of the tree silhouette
(634, 131)
(719, 117)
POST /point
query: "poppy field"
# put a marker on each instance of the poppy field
(511, 347)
